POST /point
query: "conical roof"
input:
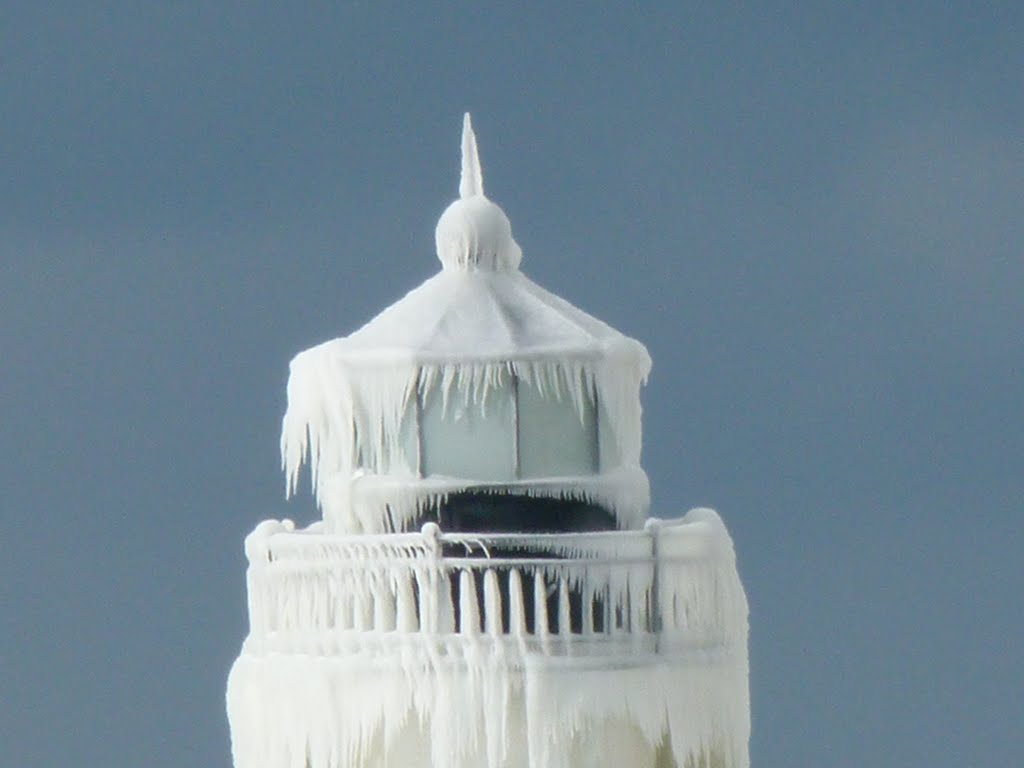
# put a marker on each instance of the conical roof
(480, 307)
(481, 316)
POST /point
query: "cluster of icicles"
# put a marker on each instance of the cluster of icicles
(343, 419)
(421, 650)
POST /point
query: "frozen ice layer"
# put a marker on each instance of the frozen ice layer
(599, 650)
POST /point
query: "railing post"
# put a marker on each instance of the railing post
(653, 529)
(262, 587)
(431, 533)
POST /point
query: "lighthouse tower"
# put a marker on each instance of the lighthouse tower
(487, 587)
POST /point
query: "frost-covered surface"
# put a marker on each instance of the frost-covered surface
(383, 650)
(464, 333)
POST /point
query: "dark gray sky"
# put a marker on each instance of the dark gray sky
(812, 215)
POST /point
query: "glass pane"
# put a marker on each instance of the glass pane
(553, 440)
(470, 440)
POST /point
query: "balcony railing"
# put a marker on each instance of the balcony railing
(668, 587)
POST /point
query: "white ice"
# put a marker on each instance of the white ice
(355, 656)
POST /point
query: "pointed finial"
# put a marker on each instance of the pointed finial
(474, 233)
(472, 180)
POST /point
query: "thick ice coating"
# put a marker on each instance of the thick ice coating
(356, 657)
(479, 327)
(474, 233)
(390, 635)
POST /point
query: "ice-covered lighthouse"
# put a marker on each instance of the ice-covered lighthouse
(486, 588)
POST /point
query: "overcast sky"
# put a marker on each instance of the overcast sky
(811, 215)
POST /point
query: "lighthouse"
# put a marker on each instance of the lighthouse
(488, 586)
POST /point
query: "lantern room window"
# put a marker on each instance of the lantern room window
(516, 432)
(463, 438)
(556, 438)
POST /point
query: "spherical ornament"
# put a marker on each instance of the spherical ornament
(474, 233)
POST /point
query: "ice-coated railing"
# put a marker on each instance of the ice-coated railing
(672, 584)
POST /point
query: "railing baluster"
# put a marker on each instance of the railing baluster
(360, 609)
(658, 582)
(405, 599)
(589, 608)
(564, 614)
(445, 608)
(343, 616)
(429, 618)
(516, 612)
(492, 603)
(540, 606)
(622, 608)
(383, 606)
(469, 609)
(637, 624)
(653, 529)
(423, 593)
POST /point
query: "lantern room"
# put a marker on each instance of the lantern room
(479, 400)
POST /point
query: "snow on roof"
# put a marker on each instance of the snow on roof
(479, 316)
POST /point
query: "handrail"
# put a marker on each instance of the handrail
(672, 578)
